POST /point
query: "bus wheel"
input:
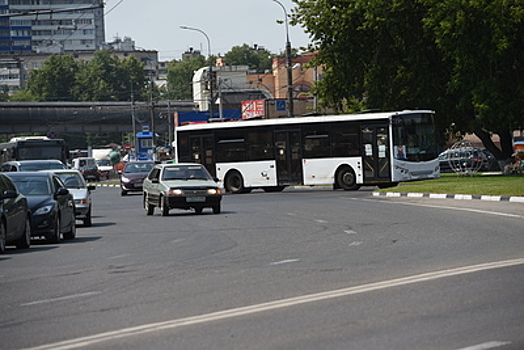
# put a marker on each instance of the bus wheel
(235, 183)
(347, 180)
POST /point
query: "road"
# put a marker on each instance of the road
(301, 269)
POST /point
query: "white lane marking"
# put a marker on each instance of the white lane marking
(455, 208)
(272, 305)
(355, 243)
(350, 232)
(118, 256)
(287, 261)
(67, 297)
(488, 345)
(320, 221)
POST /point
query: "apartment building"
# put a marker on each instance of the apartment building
(50, 26)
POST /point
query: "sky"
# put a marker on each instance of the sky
(155, 25)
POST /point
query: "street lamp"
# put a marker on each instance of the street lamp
(290, 110)
(210, 67)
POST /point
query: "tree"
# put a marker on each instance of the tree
(55, 81)
(256, 58)
(180, 75)
(107, 78)
(460, 58)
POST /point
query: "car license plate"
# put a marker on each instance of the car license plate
(195, 199)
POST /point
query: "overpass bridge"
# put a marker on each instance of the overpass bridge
(80, 117)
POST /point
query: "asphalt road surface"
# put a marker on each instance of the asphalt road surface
(301, 269)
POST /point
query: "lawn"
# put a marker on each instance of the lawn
(494, 185)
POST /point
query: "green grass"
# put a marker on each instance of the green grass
(494, 185)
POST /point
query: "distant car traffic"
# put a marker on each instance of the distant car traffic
(105, 168)
(52, 206)
(75, 183)
(181, 186)
(87, 167)
(32, 165)
(15, 216)
(133, 174)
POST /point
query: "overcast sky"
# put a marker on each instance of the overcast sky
(155, 25)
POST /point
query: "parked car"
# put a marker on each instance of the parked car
(75, 183)
(182, 186)
(87, 167)
(467, 158)
(52, 206)
(133, 174)
(32, 165)
(15, 216)
(105, 168)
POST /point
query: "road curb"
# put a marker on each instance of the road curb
(450, 196)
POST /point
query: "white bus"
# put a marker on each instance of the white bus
(346, 151)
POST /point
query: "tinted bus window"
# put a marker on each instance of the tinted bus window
(345, 140)
(260, 145)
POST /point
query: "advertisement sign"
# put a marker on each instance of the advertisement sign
(253, 109)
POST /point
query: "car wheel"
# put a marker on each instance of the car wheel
(216, 209)
(123, 193)
(199, 210)
(235, 183)
(87, 220)
(2, 238)
(24, 242)
(347, 180)
(164, 206)
(55, 237)
(148, 207)
(72, 233)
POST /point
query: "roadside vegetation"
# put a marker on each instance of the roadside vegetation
(494, 185)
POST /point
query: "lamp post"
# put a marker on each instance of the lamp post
(290, 108)
(210, 67)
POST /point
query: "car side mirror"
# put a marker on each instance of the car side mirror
(8, 194)
(62, 192)
(216, 179)
(91, 187)
(154, 180)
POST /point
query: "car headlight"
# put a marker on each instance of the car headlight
(174, 192)
(44, 210)
(214, 191)
(125, 179)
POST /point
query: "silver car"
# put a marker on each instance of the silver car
(181, 186)
(75, 183)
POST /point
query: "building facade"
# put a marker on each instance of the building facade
(50, 26)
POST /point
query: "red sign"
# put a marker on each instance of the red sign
(253, 109)
(127, 147)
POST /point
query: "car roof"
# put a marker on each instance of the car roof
(163, 165)
(61, 171)
(29, 173)
(35, 161)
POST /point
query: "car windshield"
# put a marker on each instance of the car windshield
(185, 173)
(72, 180)
(103, 162)
(138, 167)
(33, 186)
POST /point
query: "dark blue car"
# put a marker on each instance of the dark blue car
(15, 216)
(52, 206)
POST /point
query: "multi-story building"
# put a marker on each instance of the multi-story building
(50, 26)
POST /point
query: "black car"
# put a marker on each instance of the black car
(133, 175)
(52, 206)
(15, 216)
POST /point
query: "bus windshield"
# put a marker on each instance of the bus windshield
(414, 137)
(40, 151)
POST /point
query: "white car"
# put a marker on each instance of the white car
(75, 183)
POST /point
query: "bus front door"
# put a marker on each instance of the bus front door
(288, 157)
(375, 154)
(202, 151)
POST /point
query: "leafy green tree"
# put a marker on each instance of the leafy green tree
(460, 58)
(55, 81)
(257, 59)
(180, 75)
(107, 78)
